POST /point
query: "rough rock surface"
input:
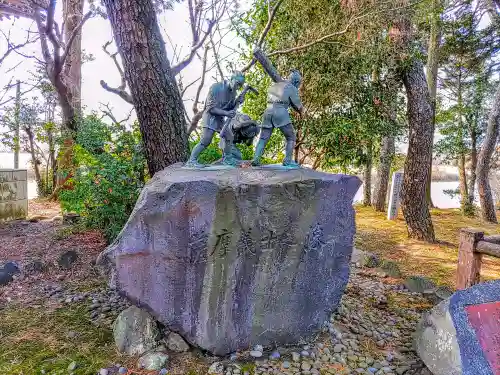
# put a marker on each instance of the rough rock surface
(436, 341)
(447, 341)
(135, 331)
(231, 258)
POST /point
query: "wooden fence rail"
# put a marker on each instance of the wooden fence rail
(473, 244)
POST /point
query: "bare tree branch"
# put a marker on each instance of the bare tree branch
(121, 93)
(181, 65)
(14, 47)
(216, 56)
(271, 15)
(120, 90)
(197, 113)
(108, 111)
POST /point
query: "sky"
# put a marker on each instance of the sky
(96, 32)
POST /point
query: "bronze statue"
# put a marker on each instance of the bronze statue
(240, 129)
(281, 96)
(220, 104)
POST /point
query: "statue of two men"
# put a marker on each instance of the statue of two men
(221, 104)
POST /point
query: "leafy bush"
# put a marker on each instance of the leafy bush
(109, 177)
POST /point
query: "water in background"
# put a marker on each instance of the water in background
(439, 198)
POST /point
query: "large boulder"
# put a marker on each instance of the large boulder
(231, 258)
(461, 334)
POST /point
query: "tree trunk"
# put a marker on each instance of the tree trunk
(462, 175)
(483, 163)
(473, 161)
(157, 100)
(416, 173)
(387, 152)
(34, 162)
(462, 178)
(367, 191)
(72, 72)
(432, 73)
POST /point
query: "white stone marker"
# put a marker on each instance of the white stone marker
(397, 182)
(13, 194)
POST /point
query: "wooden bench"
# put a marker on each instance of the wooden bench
(473, 244)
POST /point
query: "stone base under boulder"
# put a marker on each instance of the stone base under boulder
(238, 257)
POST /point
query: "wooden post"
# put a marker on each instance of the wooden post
(469, 261)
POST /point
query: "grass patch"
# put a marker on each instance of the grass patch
(389, 239)
(35, 339)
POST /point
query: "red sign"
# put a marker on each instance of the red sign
(485, 319)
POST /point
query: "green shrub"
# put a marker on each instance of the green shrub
(109, 177)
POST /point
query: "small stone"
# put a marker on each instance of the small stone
(5, 278)
(233, 357)
(153, 361)
(402, 370)
(11, 268)
(67, 259)
(216, 368)
(274, 355)
(304, 353)
(380, 343)
(286, 364)
(372, 370)
(338, 348)
(122, 370)
(295, 356)
(176, 343)
(104, 371)
(163, 371)
(391, 269)
(68, 300)
(419, 284)
(259, 348)
(95, 306)
(306, 366)
(256, 353)
(72, 366)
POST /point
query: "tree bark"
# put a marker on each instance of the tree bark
(483, 163)
(367, 191)
(387, 152)
(473, 161)
(419, 156)
(156, 97)
(462, 178)
(72, 72)
(36, 167)
(432, 73)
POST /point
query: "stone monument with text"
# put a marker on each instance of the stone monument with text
(394, 197)
(237, 257)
